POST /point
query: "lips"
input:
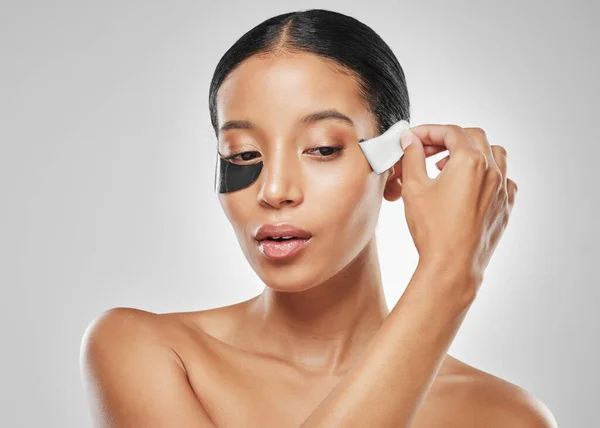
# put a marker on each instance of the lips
(282, 230)
(282, 250)
(281, 241)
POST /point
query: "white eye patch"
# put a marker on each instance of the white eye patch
(381, 152)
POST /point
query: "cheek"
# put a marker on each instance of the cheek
(345, 198)
(235, 207)
(363, 207)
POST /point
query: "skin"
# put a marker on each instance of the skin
(272, 360)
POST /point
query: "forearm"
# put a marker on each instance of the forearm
(390, 381)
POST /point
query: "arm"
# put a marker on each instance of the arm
(388, 384)
(456, 221)
(132, 378)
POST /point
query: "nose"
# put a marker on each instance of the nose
(281, 180)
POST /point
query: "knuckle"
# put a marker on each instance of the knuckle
(500, 149)
(495, 176)
(457, 130)
(479, 132)
(476, 159)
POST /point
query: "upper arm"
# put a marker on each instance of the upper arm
(132, 378)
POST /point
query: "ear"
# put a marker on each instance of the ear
(393, 182)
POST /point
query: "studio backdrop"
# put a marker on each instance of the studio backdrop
(108, 161)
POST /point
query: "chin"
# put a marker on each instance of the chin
(306, 269)
(289, 279)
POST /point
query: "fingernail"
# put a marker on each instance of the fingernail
(406, 139)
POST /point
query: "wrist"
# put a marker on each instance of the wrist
(450, 278)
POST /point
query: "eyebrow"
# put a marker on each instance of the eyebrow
(309, 118)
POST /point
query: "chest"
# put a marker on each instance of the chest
(240, 393)
(243, 393)
(240, 389)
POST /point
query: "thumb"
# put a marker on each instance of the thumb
(413, 161)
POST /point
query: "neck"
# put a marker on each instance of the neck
(325, 328)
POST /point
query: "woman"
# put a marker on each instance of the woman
(319, 346)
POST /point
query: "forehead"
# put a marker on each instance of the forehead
(275, 91)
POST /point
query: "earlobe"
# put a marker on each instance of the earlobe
(393, 189)
(393, 185)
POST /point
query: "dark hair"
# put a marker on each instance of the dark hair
(349, 45)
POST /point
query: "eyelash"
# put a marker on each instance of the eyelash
(336, 152)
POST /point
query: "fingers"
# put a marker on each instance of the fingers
(433, 138)
(500, 159)
(413, 159)
(453, 137)
(480, 141)
(495, 155)
(433, 150)
(499, 156)
(512, 190)
(442, 162)
(429, 151)
(448, 137)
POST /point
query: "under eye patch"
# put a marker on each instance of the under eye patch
(230, 177)
(381, 152)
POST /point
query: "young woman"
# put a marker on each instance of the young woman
(319, 346)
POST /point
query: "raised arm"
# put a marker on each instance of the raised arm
(390, 381)
(456, 221)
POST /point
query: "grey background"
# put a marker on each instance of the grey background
(107, 167)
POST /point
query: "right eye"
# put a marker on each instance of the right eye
(244, 156)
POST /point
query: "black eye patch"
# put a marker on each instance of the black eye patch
(230, 177)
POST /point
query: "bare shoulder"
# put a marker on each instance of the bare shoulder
(132, 374)
(507, 404)
(126, 323)
(126, 327)
(487, 400)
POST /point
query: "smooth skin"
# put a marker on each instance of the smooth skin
(319, 346)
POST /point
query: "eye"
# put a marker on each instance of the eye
(243, 156)
(328, 152)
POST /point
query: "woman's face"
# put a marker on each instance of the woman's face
(334, 195)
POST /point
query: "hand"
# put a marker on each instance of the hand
(456, 219)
